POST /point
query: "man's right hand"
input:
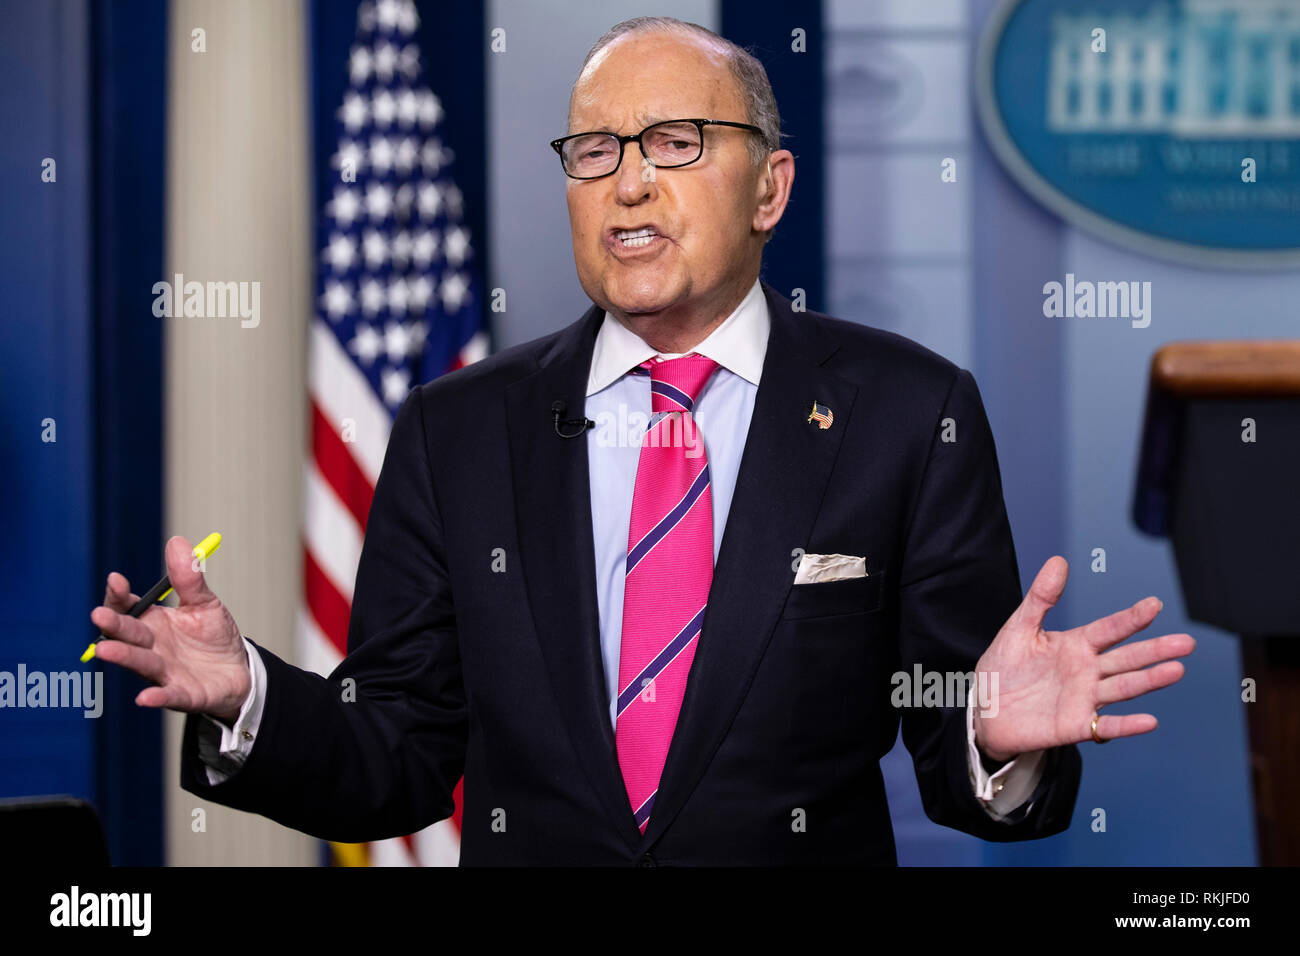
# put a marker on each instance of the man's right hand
(194, 652)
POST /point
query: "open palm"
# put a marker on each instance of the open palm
(1050, 684)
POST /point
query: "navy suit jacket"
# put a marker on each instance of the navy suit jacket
(474, 645)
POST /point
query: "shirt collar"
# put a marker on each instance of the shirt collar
(738, 344)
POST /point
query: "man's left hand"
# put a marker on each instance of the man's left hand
(1050, 684)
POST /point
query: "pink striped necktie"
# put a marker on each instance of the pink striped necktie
(669, 570)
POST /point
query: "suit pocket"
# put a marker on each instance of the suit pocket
(829, 598)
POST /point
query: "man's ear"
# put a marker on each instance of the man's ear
(774, 190)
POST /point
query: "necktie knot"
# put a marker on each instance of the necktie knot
(675, 384)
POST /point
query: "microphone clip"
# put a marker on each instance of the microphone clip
(565, 428)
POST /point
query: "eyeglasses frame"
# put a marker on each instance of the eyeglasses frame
(558, 144)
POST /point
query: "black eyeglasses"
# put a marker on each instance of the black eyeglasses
(668, 145)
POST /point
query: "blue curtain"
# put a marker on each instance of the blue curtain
(79, 252)
(794, 258)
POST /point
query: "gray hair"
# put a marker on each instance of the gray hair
(750, 76)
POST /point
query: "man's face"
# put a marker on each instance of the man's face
(705, 246)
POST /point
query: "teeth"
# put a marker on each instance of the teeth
(633, 238)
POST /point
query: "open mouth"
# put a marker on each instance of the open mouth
(638, 238)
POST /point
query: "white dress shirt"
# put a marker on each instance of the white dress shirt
(619, 403)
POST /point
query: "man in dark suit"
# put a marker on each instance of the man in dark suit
(683, 640)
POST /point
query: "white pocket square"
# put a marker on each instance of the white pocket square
(816, 568)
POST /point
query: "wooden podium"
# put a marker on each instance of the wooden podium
(1219, 474)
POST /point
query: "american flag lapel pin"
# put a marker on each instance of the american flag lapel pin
(822, 415)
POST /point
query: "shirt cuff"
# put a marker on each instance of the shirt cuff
(224, 749)
(1003, 792)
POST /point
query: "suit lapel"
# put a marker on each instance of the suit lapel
(553, 510)
(787, 460)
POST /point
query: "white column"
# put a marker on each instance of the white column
(239, 210)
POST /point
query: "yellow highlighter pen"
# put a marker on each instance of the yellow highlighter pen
(203, 550)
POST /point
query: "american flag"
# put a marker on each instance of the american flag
(398, 304)
(822, 415)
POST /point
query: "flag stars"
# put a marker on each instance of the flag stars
(373, 296)
(385, 62)
(375, 248)
(387, 14)
(395, 384)
(381, 154)
(344, 206)
(397, 339)
(382, 279)
(428, 200)
(350, 155)
(430, 109)
(399, 296)
(408, 62)
(419, 332)
(453, 290)
(402, 200)
(354, 111)
(359, 65)
(421, 290)
(341, 252)
(379, 200)
(453, 199)
(455, 245)
(405, 157)
(424, 248)
(408, 108)
(366, 344)
(337, 299)
(383, 108)
(433, 156)
(407, 17)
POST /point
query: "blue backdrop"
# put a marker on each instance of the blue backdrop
(83, 85)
